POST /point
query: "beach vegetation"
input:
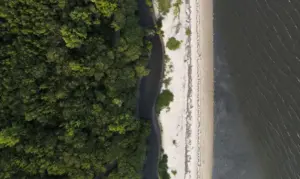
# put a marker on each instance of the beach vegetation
(176, 7)
(164, 6)
(167, 81)
(168, 68)
(160, 32)
(164, 99)
(173, 43)
(158, 27)
(163, 167)
(167, 58)
(188, 31)
(174, 172)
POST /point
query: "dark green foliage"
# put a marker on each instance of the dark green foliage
(163, 167)
(174, 172)
(167, 81)
(67, 94)
(173, 43)
(164, 6)
(168, 68)
(188, 31)
(149, 3)
(164, 99)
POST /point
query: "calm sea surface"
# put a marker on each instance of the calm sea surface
(261, 42)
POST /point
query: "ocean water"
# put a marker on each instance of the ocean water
(234, 152)
(261, 46)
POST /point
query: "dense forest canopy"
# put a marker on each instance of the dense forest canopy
(69, 71)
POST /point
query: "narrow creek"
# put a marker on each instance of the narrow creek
(148, 92)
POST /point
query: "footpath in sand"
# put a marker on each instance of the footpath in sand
(187, 128)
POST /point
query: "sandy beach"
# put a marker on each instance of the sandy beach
(204, 58)
(187, 128)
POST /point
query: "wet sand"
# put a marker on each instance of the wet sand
(202, 38)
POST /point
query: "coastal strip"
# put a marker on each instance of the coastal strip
(187, 126)
(202, 59)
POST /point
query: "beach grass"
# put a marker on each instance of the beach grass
(188, 31)
(164, 6)
(176, 7)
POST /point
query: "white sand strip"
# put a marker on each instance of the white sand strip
(173, 122)
(187, 129)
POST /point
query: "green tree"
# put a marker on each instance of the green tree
(81, 15)
(164, 6)
(73, 37)
(105, 7)
(173, 43)
(67, 95)
(163, 167)
(164, 99)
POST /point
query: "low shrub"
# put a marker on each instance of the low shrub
(164, 99)
(173, 43)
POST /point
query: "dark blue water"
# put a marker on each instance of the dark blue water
(149, 90)
(234, 152)
(261, 44)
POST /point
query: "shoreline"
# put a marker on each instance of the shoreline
(203, 57)
(190, 120)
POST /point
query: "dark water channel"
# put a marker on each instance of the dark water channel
(261, 43)
(148, 92)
